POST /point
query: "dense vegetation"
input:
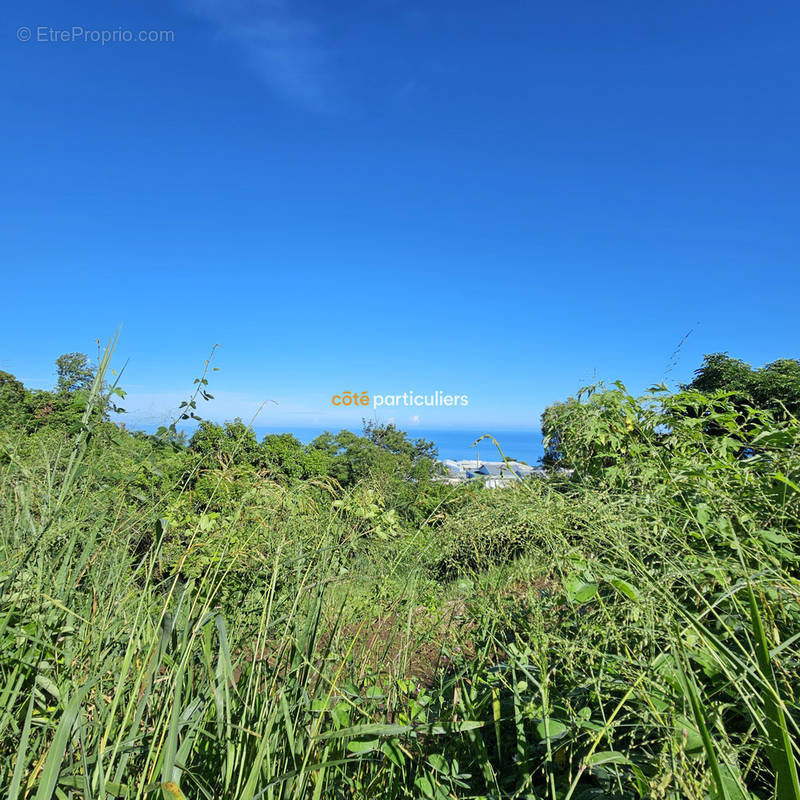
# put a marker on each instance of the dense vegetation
(228, 618)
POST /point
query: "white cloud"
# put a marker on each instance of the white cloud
(283, 49)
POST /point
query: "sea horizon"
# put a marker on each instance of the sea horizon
(521, 444)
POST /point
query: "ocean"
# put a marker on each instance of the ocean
(455, 443)
(522, 445)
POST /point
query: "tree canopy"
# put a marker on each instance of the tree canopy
(775, 386)
(594, 416)
(62, 406)
(75, 373)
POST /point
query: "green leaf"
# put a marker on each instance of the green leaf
(425, 786)
(625, 588)
(376, 729)
(363, 745)
(55, 754)
(439, 763)
(555, 727)
(779, 739)
(698, 711)
(773, 537)
(607, 757)
(783, 479)
(688, 735)
(392, 751)
(580, 591)
(24, 739)
(45, 683)
(455, 727)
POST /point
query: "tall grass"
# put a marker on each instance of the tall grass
(629, 634)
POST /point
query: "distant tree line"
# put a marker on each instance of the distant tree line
(63, 406)
(345, 456)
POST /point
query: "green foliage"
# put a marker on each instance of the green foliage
(284, 457)
(775, 386)
(12, 401)
(390, 439)
(230, 620)
(231, 443)
(497, 526)
(366, 509)
(383, 450)
(612, 421)
(63, 407)
(601, 430)
(75, 373)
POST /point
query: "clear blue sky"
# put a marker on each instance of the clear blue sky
(500, 200)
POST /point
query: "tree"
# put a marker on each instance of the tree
(283, 455)
(592, 431)
(351, 457)
(778, 384)
(393, 440)
(775, 386)
(720, 372)
(75, 373)
(233, 443)
(12, 401)
(383, 450)
(554, 428)
(63, 407)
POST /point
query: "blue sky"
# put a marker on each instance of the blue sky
(500, 200)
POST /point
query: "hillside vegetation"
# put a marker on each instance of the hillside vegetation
(228, 618)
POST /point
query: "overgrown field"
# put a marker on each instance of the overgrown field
(191, 622)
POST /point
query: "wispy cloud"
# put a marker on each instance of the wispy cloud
(150, 408)
(282, 47)
(160, 408)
